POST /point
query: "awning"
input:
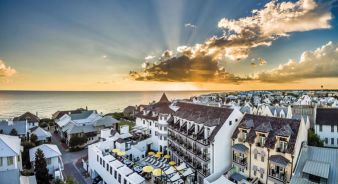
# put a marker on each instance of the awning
(117, 164)
(136, 178)
(279, 160)
(181, 166)
(316, 168)
(175, 177)
(187, 172)
(237, 177)
(169, 171)
(240, 147)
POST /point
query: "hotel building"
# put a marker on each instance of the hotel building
(265, 149)
(200, 136)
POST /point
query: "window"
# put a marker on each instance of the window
(255, 172)
(165, 128)
(1, 161)
(262, 158)
(107, 167)
(150, 123)
(236, 120)
(262, 175)
(104, 163)
(124, 181)
(326, 140)
(255, 156)
(111, 170)
(320, 128)
(10, 161)
(230, 123)
(49, 161)
(97, 157)
(115, 174)
(119, 178)
(144, 122)
(19, 158)
(100, 161)
(332, 128)
(332, 140)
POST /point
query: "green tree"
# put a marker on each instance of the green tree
(70, 180)
(40, 169)
(25, 154)
(58, 181)
(314, 140)
(77, 141)
(34, 139)
(13, 132)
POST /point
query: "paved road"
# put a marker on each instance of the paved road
(69, 159)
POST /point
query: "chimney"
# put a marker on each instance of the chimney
(10, 122)
(86, 108)
(37, 114)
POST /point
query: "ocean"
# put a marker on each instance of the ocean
(45, 103)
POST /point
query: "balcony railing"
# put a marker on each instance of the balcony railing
(240, 161)
(277, 176)
(281, 150)
(260, 144)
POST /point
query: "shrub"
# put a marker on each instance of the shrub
(314, 140)
(13, 132)
(76, 141)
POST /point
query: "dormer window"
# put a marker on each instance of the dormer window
(261, 140)
(282, 144)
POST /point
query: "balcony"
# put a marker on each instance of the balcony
(260, 144)
(206, 172)
(277, 177)
(240, 161)
(281, 150)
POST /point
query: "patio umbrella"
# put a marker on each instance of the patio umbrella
(172, 163)
(116, 150)
(167, 156)
(148, 169)
(157, 156)
(157, 172)
(151, 153)
(121, 153)
(159, 153)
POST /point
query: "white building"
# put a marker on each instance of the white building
(85, 117)
(200, 136)
(264, 150)
(10, 159)
(83, 123)
(102, 163)
(273, 111)
(53, 158)
(154, 117)
(42, 134)
(326, 126)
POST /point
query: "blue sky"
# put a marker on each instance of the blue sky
(101, 41)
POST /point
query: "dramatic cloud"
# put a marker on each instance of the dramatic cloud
(322, 62)
(6, 71)
(201, 61)
(189, 25)
(183, 68)
(147, 58)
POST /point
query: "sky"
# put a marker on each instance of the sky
(142, 45)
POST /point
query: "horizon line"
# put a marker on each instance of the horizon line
(209, 90)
